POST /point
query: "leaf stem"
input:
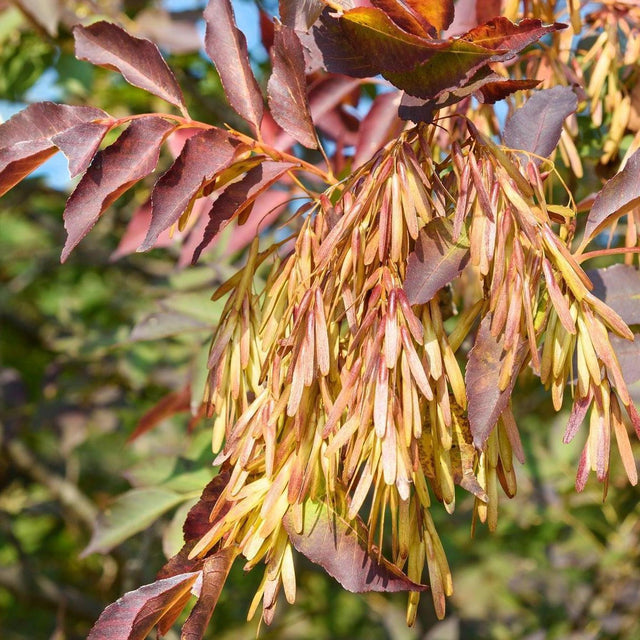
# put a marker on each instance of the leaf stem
(606, 252)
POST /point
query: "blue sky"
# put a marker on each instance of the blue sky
(55, 169)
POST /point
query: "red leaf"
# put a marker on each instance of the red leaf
(340, 548)
(133, 156)
(202, 157)
(198, 522)
(287, 87)
(81, 143)
(537, 125)
(238, 196)
(172, 403)
(617, 197)
(214, 574)
(26, 138)
(137, 59)
(380, 125)
(435, 262)
(300, 14)
(485, 399)
(134, 615)
(227, 47)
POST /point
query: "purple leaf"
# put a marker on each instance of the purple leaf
(137, 59)
(202, 156)
(617, 197)
(129, 159)
(619, 287)
(227, 47)
(26, 138)
(287, 87)
(485, 399)
(628, 354)
(238, 197)
(134, 615)
(214, 574)
(81, 143)
(340, 548)
(300, 14)
(536, 126)
(435, 262)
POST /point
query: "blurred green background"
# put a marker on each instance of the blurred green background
(74, 381)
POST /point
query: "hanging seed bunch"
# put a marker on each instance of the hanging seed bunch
(338, 387)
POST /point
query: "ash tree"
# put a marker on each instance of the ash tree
(430, 253)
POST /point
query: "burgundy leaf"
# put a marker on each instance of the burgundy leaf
(340, 548)
(499, 88)
(26, 138)
(133, 156)
(435, 262)
(81, 143)
(134, 615)
(238, 197)
(107, 45)
(214, 574)
(287, 87)
(619, 287)
(536, 126)
(617, 197)
(202, 157)
(379, 126)
(485, 399)
(300, 14)
(227, 47)
(197, 522)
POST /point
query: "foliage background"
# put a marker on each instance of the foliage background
(74, 383)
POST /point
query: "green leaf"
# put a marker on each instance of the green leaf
(129, 514)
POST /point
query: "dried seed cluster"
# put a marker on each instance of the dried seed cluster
(330, 386)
